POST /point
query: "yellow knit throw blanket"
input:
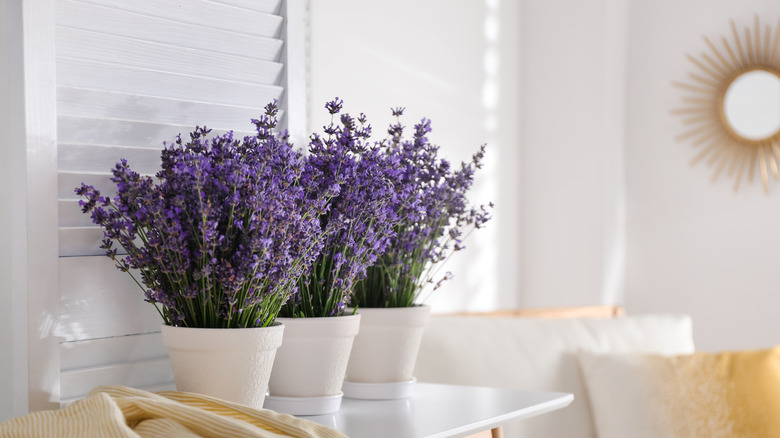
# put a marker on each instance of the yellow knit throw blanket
(122, 412)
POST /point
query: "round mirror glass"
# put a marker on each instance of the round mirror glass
(752, 105)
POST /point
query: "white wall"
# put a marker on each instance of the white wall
(694, 247)
(572, 186)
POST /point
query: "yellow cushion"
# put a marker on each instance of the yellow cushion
(729, 394)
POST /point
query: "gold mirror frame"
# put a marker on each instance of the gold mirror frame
(703, 111)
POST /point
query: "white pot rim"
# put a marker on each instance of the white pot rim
(416, 316)
(328, 326)
(222, 339)
(173, 327)
(417, 307)
(315, 319)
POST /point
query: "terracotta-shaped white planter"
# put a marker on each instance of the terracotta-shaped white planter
(310, 365)
(231, 364)
(385, 352)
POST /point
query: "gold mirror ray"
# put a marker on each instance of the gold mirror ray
(703, 114)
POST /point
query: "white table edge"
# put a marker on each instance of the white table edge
(553, 401)
(561, 402)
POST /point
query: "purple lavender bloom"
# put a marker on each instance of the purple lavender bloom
(356, 177)
(221, 235)
(434, 219)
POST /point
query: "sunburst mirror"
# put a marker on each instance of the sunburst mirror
(731, 104)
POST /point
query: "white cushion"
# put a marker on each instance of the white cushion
(732, 394)
(541, 355)
(627, 395)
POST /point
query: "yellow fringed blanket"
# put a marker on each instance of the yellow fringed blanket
(122, 412)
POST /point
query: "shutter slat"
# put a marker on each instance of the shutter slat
(85, 130)
(70, 214)
(92, 75)
(78, 383)
(267, 6)
(108, 351)
(68, 181)
(73, 221)
(100, 158)
(80, 241)
(204, 14)
(133, 107)
(99, 301)
(90, 46)
(109, 21)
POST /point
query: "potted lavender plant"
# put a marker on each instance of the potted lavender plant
(310, 365)
(433, 221)
(217, 242)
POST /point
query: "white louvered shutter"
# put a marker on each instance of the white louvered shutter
(131, 74)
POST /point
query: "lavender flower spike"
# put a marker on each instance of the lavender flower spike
(434, 220)
(222, 233)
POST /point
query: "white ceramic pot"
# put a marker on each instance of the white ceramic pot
(382, 362)
(231, 364)
(310, 365)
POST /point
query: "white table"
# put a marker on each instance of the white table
(438, 411)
